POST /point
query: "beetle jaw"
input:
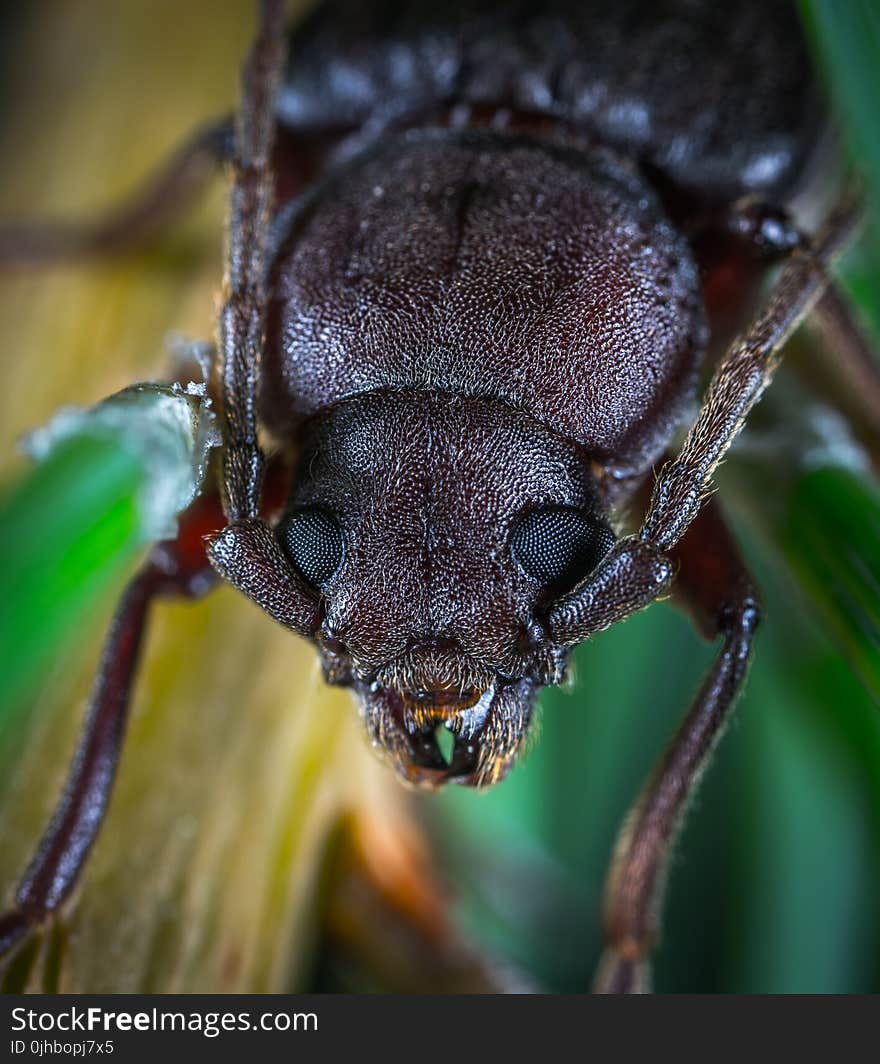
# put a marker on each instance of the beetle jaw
(486, 732)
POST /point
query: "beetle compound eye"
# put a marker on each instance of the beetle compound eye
(559, 547)
(313, 541)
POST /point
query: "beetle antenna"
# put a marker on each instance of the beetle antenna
(242, 319)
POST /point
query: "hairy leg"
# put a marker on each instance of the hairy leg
(174, 568)
(741, 377)
(716, 586)
(242, 318)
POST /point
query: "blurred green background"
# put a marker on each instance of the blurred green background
(774, 884)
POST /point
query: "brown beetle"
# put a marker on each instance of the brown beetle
(475, 266)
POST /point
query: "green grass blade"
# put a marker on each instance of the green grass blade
(65, 532)
(109, 480)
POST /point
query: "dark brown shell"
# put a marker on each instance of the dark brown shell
(490, 266)
(719, 97)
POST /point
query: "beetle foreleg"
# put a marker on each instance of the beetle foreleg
(740, 379)
(174, 568)
(631, 576)
(720, 593)
(242, 319)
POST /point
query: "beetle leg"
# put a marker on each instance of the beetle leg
(242, 319)
(851, 371)
(630, 577)
(741, 377)
(176, 567)
(718, 589)
(715, 581)
(162, 198)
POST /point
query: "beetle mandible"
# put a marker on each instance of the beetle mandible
(470, 285)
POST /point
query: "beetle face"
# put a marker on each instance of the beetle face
(436, 529)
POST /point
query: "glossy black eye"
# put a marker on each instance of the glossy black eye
(313, 542)
(559, 546)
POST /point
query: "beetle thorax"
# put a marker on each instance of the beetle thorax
(543, 276)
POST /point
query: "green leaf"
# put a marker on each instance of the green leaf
(110, 479)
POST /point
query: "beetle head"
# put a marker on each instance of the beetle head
(433, 530)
